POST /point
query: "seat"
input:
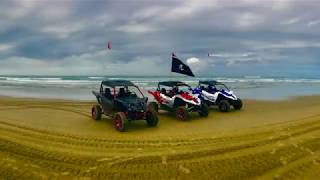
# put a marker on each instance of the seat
(173, 92)
(163, 91)
(212, 89)
(122, 92)
(107, 93)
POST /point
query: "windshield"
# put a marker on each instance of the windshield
(216, 87)
(183, 88)
(133, 91)
(221, 87)
(127, 91)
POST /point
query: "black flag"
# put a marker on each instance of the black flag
(179, 67)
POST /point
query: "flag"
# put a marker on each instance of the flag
(109, 45)
(179, 67)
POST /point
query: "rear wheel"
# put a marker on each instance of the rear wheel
(96, 112)
(224, 106)
(153, 106)
(120, 122)
(182, 113)
(152, 118)
(204, 110)
(238, 104)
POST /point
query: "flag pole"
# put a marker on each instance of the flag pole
(171, 67)
(171, 77)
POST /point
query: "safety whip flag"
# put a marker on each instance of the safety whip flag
(179, 67)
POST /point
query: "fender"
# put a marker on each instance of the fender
(229, 94)
(210, 97)
(189, 98)
(204, 95)
(213, 97)
(161, 98)
(156, 95)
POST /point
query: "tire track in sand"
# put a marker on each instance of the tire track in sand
(282, 152)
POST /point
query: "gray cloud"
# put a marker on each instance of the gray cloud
(70, 37)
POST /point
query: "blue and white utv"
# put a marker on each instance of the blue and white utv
(214, 93)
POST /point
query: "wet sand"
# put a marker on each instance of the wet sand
(58, 139)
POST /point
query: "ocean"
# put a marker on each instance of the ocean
(80, 87)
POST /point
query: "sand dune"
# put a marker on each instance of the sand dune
(42, 139)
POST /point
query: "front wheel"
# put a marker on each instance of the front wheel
(204, 110)
(182, 113)
(152, 118)
(238, 104)
(224, 106)
(96, 112)
(120, 122)
(153, 106)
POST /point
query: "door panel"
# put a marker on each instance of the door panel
(107, 104)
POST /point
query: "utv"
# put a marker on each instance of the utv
(214, 93)
(175, 96)
(123, 101)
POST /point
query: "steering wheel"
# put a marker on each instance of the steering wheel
(133, 94)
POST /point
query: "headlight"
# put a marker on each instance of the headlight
(131, 106)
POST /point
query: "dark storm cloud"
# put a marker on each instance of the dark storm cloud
(64, 33)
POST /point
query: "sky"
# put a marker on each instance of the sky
(243, 37)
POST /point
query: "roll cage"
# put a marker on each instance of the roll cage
(216, 84)
(112, 89)
(173, 87)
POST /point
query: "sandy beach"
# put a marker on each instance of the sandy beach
(42, 139)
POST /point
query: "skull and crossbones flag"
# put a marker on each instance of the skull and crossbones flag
(179, 67)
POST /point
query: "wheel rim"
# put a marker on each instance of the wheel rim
(180, 114)
(150, 118)
(223, 107)
(94, 114)
(203, 110)
(117, 122)
(239, 104)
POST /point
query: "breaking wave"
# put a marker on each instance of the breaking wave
(80, 87)
(142, 81)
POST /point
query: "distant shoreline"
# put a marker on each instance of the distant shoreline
(93, 100)
(80, 87)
